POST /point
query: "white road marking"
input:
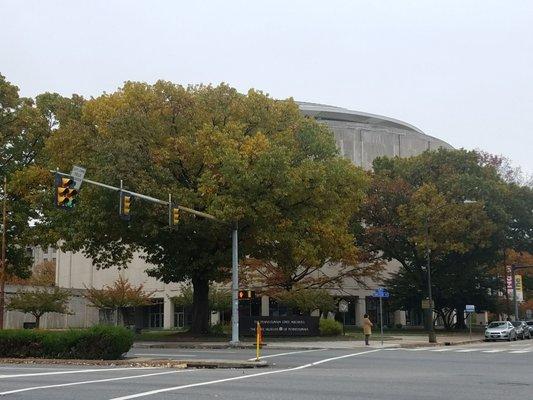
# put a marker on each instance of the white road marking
(521, 351)
(93, 381)
(286, 354)
(420, 349)
(76, 371)
(466, 350)
(443, 349)
(170, 389)
(494, 351)
(164, 355)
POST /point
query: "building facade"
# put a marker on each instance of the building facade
(360, 137)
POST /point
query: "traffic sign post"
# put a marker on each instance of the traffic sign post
(343, 308)
(381, 293)
(470, 309)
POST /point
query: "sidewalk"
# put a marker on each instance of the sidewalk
(393, 341)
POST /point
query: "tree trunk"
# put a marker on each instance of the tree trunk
(460, 324)
(37, 321)
(200, 306)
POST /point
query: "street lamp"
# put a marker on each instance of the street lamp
(432, 337)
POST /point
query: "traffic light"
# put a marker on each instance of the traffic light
(246, 294)
(65, 193)
(175, 216)
(125, 203)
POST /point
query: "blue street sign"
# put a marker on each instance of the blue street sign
(381, 292)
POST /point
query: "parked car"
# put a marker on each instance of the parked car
(522, 330)
(530, 326)
(500, 330)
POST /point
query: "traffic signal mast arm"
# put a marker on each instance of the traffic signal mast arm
(234, 245)
(144, 197)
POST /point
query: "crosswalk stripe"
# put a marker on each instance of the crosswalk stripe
(494, 351)
(444, 349)
(467, 350)
(420, 349)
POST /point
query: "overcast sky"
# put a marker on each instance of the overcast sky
(459, 70)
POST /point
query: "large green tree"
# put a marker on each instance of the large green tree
(423, 198)
(249, 160)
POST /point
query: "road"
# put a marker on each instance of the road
(479, 371)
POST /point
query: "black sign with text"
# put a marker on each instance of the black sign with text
(298, 325)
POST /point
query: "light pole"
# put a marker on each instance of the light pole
(3, 271)
(514, 267)
(432, 337)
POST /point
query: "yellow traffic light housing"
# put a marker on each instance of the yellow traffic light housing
(125, 204)
(175, 216)
(65, 193)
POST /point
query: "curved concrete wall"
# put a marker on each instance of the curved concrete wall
(362, 137)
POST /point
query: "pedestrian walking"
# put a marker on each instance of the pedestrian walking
(367, 328)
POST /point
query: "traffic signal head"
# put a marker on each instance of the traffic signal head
(125, 203)
(65, 193)
(175, 216)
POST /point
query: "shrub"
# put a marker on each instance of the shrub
(220, 329)
(98, 342)
(329, 327)
(399, 326)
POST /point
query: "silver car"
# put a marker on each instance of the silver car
(530, 326)
(500, 330)
(522, 330)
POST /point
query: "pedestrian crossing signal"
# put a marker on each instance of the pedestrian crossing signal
(246, 294)
(65, 193)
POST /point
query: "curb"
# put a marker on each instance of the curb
(415, 345)
(173, 345)
(143, 362)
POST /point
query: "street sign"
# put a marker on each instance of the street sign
(426, 304)
(470, 308)
(381, 292)
(77, 175)
(343, 306)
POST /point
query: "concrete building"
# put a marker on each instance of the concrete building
(361, 137)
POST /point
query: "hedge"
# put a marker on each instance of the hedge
(96, 343)
(329, 327)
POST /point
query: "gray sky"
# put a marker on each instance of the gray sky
(459, 70)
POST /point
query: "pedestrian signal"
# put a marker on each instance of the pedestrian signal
(246, 294)
(65, 194)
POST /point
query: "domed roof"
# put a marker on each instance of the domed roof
(322, 111)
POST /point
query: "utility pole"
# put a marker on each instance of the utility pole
(3, 271)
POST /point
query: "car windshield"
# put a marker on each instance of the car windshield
(497, 324)
(530, 323)
(516, 323)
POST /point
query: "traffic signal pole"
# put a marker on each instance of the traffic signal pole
(234, 248)
(3, 271)
(235, 287)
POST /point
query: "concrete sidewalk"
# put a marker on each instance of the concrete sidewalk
(395, 341)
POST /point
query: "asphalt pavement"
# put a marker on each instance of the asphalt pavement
(476, 371)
